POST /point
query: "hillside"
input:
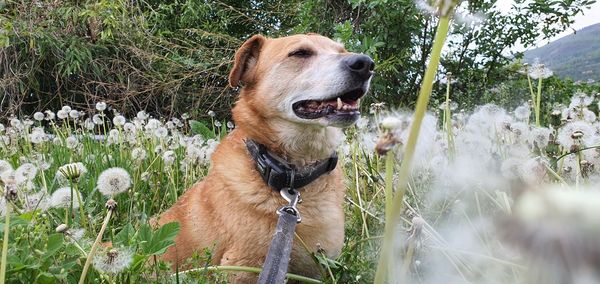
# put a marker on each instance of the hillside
(575, 56)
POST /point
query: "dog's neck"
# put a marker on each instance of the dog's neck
(299, 144)
(302, 144)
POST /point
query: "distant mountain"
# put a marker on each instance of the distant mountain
(576, 56)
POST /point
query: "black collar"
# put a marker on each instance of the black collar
(279, 174)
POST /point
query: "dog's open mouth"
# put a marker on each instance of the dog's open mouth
(344, 105)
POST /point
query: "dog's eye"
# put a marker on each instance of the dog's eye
(300, 53)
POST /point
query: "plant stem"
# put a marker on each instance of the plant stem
(538, 103)
(533, 104)
(383, 266)
(88, 261)
(289, 276)
(5, 242)
(448, 120)
(389, 186)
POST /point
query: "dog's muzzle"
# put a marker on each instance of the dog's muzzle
(343, 108)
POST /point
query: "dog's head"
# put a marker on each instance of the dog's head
(306, 79)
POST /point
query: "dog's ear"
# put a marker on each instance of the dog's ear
(245, 60)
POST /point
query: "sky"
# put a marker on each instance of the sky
(589, 17)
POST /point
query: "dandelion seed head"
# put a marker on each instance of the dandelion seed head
(565, 134)
(142, 115)
(25, 173)
(89, 124)
(74, 114)
(119, 120)
(580, 99)
(520, 129)
(61, 198)
(39, 116)
(38, 136)
(75, 234)
(113, 181)
(72, 142)
(168, 157)
(113, 260)
(161, 132)
(5, 166)
(100, 106)
(540, 71)
(391, 122)
(16, 123)
(97, 119)
(588, 115)
(66, 109)
(138, 154)
(61, 114)
(129, 127)
(152, 124)
(540, 136)
(556, 228)
(523, 112)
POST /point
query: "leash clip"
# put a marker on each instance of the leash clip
(293, 197)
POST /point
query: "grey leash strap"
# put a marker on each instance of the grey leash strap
(276, 264)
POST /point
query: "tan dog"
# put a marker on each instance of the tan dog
(298, 92)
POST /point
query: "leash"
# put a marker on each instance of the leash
(285, 178)
(278, 257)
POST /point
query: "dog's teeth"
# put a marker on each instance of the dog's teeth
(339, 103)
(358, 102)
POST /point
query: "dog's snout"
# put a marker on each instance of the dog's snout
(360, 65)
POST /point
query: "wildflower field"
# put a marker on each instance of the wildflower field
(493, 196)
(441, 194)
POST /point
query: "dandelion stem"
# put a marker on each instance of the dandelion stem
(88, 261)
(383, 266)
(389, 179)
(533, 98)
(289, 276)
(5, 242)
(538, 102)
(448, 119)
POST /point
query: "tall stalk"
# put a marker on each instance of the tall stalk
(393, 214)
(110, 205)
(538, 103)
(448, 117)
(5, 242)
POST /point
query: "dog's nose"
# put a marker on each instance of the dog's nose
(360, 65)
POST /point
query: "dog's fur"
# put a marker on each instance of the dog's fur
(232, 211)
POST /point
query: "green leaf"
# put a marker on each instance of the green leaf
(124, 236)
(198, 127)
(45, 277)
(55, 242)
(162, 239)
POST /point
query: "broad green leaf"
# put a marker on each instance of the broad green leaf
(55, 242)
(162, 239)
(198, 127)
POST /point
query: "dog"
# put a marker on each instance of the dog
(298, 93)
